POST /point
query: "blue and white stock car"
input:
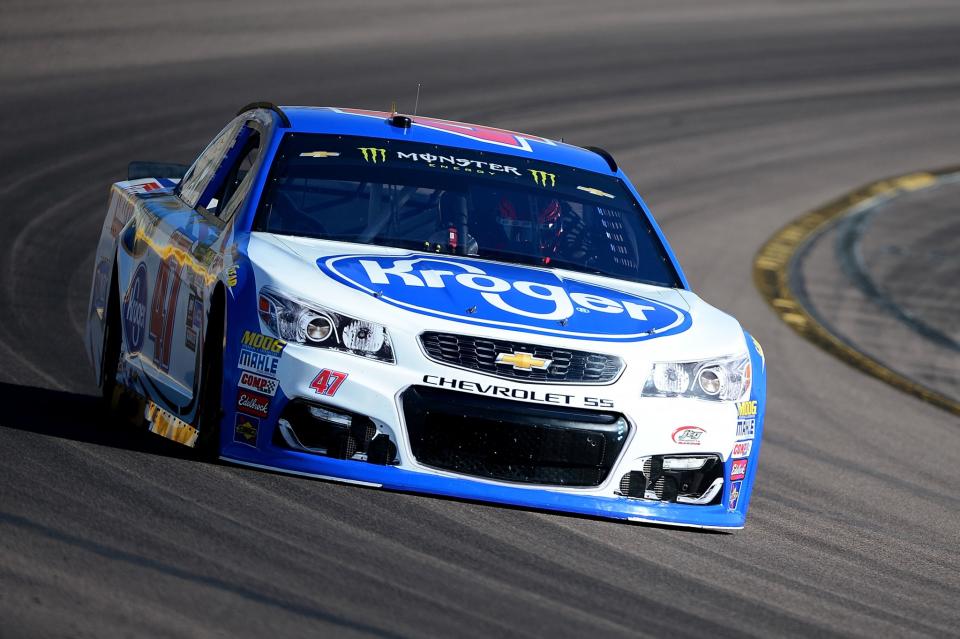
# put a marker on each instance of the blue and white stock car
(425, 306)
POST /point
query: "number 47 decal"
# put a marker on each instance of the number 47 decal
(328, 382)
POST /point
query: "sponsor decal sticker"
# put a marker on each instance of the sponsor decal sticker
(166, 424)
(101, 280)
(542, 178)
(252, 403)
(232, 276)
(690, 435)
(246, 429)
(763, 360)
(742, 449)
(746, 427)
(506, 296)
(328, 382)
(373, 155)
(747, 409)
(263, 343)
(738, 469)
(257, 362)
(258, 383)
(135, 310)
(524, 394)
(194, 317)
(458, 164)
(734, 495)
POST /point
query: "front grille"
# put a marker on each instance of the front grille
(512, 441)
(480, 354)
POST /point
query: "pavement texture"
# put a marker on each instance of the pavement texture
(731, 117)
(884, 280)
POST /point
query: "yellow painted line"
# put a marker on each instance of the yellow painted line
(771, 274)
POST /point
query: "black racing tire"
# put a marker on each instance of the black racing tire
(210, 409)
(110, 355)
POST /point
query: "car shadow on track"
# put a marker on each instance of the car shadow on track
(83, 418)
(77, 417)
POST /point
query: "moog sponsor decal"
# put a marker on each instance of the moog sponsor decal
(506, 296)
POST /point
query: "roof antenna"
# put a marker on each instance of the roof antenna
(393, 108)
(416, 104)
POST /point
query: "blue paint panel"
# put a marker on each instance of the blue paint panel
(404, 480)
(507, 296)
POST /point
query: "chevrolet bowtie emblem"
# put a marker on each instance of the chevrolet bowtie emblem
(523, 361)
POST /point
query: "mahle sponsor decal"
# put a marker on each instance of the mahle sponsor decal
(258, 383)
(135, 310)
(506, 296)
(746, 428)
(258, 362)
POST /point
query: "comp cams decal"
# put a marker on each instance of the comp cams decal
(524, 394)
(258, 383)
(742, 449)
(506, 296)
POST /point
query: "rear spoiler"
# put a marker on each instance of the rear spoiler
(140, 170)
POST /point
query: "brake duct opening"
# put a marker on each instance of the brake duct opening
(684, 479)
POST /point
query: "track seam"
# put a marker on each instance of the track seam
(776, 260)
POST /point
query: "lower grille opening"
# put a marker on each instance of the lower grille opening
(687, 479)
(512, 441)
(333, 432)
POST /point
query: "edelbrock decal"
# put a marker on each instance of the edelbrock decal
(506, 296)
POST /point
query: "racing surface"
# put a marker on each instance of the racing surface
(730, 119)
(897, 300)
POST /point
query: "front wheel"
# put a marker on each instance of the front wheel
(210, 411)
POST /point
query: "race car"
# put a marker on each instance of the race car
(427, 306)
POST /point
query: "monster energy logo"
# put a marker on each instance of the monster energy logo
(542, 177)
(371, 154)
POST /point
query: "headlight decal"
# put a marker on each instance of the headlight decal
(720, 379)
(300, 322)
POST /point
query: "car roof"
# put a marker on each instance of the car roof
(361, 122)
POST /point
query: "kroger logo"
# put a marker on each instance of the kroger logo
(506, 296)
(135, 310)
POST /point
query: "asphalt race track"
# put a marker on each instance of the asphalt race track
(731, 117)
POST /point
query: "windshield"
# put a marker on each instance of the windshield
(448, 200)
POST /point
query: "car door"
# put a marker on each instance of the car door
(187, 254)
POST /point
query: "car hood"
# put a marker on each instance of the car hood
(422, 291)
